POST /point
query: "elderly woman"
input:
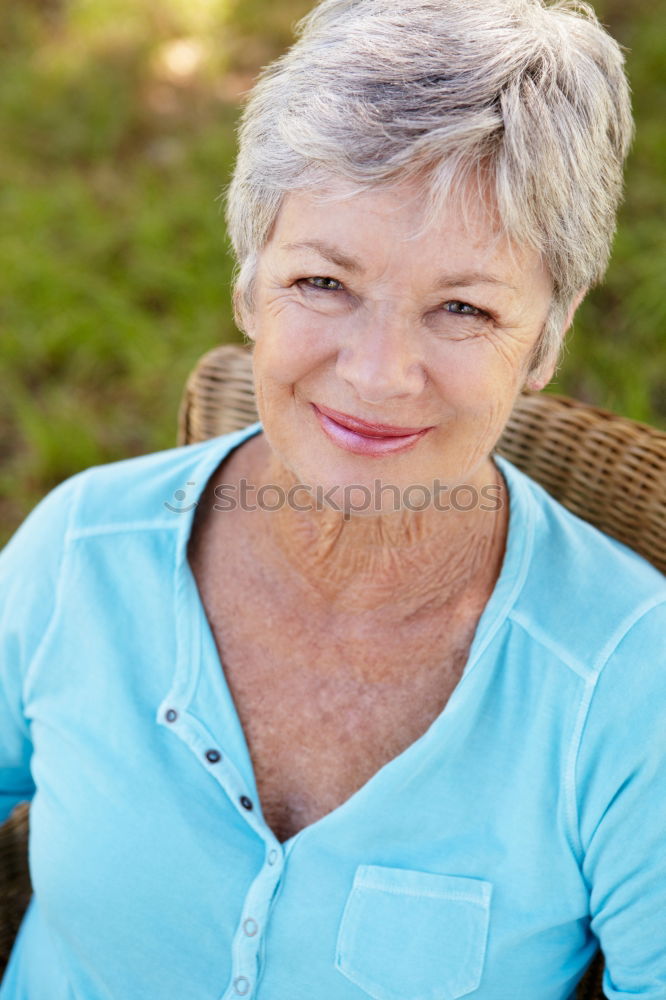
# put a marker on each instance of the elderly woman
(372, 716)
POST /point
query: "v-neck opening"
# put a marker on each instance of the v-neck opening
(194, 630)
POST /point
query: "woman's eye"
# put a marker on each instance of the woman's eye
(327, 284)
(462, 309)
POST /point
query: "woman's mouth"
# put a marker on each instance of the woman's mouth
(363, 437)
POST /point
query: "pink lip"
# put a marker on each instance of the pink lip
(364, 438)
(367, 428)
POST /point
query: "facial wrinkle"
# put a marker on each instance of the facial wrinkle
(405, 561)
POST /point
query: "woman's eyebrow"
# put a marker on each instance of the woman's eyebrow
(467, 278)
(341, 259)
(328, 252)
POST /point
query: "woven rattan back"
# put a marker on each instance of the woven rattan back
(609, 470)
(14, 878)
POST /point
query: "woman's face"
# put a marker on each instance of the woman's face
(386, 350)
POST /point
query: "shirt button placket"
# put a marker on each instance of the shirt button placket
(247, 941)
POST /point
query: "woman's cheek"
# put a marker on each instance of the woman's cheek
(287, 357)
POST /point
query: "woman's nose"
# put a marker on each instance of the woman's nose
(379, 361)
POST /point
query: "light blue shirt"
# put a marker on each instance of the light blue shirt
(525, 825)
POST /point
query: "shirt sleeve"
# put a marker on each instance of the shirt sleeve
(621, 775)
(29, 574)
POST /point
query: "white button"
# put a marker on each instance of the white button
(272, 856)
(242, 985)
(250, 927)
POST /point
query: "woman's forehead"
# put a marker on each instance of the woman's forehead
(350, 228)
(412, 204)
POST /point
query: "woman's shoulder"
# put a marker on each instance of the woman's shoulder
(582, 590)
(149, 489)
(153, 487)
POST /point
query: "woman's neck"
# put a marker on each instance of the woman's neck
(403, 563)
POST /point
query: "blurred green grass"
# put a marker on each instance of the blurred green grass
(117, 122)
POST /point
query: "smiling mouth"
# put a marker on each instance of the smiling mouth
(363, 437)
(367, 428)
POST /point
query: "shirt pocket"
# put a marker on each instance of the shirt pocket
(409, 935)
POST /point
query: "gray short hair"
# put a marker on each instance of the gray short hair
(529, 95)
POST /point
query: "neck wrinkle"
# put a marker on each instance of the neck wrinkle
(401, 565)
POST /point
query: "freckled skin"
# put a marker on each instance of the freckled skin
(342, 639)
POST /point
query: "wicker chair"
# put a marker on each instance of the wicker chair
(609, 470)
(14, 878)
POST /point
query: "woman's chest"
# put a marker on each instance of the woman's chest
(123, 794)
(323, 709)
